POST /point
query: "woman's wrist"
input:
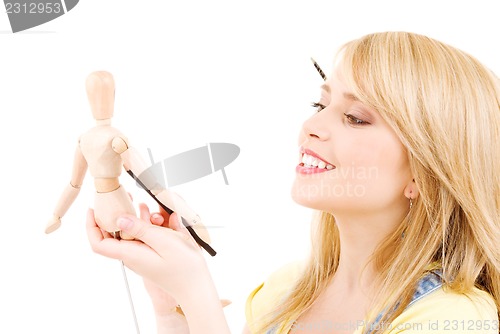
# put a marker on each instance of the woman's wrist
(173, 322)
(203, 309)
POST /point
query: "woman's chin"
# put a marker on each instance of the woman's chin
(307, 198)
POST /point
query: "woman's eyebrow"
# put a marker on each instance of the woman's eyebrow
(347, 96)
(350, 96)
(325, 87)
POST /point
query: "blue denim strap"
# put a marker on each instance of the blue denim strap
(427, 284)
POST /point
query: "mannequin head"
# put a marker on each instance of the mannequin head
(101, 94)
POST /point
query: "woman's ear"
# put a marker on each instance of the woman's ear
(411, 190)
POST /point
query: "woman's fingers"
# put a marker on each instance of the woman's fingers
(160, 218)
(157, 219)
(136, 255)
(175, 223)
(158, 238)
(165, 215)
(144, 212)
(167, 257)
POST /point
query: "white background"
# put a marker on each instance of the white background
(187, 73)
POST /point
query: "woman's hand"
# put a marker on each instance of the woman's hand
(163, 253)
(165, 306)
(163, 303)
(167, 257)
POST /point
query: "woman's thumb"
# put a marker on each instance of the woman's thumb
(134, 226)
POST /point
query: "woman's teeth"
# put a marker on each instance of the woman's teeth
(313, 162)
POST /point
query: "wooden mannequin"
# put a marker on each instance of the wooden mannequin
(103, 150)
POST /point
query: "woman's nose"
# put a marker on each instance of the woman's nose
(316, 127)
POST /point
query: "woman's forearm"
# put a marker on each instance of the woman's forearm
(203, 310)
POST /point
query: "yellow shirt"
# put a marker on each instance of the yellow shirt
(439, 312)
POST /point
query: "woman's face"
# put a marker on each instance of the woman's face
(350, 159)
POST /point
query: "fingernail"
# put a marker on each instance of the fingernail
(125, 223)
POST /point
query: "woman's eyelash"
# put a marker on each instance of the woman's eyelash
(354, 120)
(318, 106)
(351, 119)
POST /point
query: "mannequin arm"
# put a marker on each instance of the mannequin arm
(70, 192)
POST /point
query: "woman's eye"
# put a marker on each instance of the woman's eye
(318, 106)
(354, 120)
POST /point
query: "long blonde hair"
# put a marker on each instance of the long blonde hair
(445, 107)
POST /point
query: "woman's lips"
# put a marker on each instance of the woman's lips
(312, 163)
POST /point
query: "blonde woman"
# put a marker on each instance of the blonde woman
(401, 161)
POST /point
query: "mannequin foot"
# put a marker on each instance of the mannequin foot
(53, 225)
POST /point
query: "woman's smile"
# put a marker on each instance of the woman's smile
(311, 163)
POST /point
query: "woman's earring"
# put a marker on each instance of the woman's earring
(409, 216)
